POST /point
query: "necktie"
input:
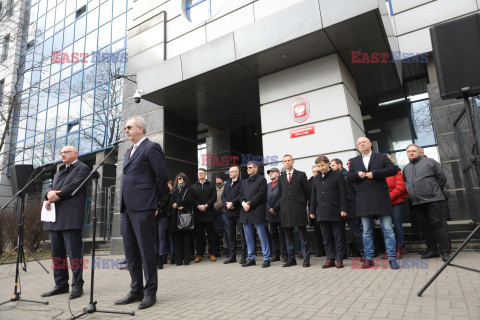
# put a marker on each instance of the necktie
(289, 177)
(133, 150)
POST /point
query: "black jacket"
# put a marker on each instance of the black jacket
(329, 196)
(204, 194)
(293, 199)
(183, 198)
(232, 194)
(254, 190)
(70, 211)
(371, 195)
(273, 202)
(350, 195)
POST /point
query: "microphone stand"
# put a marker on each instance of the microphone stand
(16, 296)
(92, 305)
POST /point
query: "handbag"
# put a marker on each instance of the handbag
(185, 218)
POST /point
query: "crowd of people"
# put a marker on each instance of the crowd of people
(183, 220)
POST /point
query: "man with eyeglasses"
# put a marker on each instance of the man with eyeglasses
(144, 182)
(254, 214)
(66, 231)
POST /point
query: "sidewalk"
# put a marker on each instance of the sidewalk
(212, 290)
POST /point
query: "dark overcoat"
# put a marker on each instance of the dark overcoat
(254, 190)
(329, 196)
(183, 198)
(371, 195)
(293, 199)
(273, 202)
(204, 194)
(232, 193)
(70, 210)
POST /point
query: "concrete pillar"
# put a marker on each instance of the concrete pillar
(317, 97)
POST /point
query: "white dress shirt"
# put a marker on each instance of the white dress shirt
(136, 145)
(366, 159)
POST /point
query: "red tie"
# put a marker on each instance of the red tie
(289, 177)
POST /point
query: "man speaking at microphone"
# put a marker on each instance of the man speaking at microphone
(144, 182)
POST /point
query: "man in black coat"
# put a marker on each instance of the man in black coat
(204, 196)
(351, 219)
(328, 206)
(253, 214)
(369, 172)
(276, 231)
(231, 197)
(66, 231)
(143, 185)
(294, 194)
(313, 222)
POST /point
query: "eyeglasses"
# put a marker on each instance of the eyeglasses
(129, 127)
(65, 152)
(250, 167)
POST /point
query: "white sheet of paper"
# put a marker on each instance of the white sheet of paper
(48, 215)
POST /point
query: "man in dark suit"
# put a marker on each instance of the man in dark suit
(294, 193)
(144, 182)
(66, 231)
(231, 197)
(277, 234)
(204, 196)
(369, 172)
(254, 214)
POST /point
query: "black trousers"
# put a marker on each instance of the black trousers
(64, 241)
(356, 230)
(277, 240)
(290, 239)
(333, 233)
(138, 230)
(431, 219)
(199, 233)
(233, 227)
(183, 243)
(318, 236)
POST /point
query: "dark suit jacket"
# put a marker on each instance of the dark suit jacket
(233, 194)
(329, 196)
(371, 195)
(183, 198)
(70, 211)
(273, 201)
(204, 194)
(254, 189)
(350, 195)
(293, 199)
(144, 179)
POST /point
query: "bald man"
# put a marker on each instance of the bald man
(66, 231)
(369, 172)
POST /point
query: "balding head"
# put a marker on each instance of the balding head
(364, 145)
(69, 155)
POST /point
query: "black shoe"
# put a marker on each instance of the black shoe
(178, 264)
(123, 261)
(290, 263)
(159, 262)
(230, 260)
(249, 263)
(306, 263)
(430, 254)
(147, 302)
(243, 260)
(320, 254)
(445, 256)
(393, 264)
(76, 293)
(275, 258)
(130, 298)
(55, 291)
(186, 263)
(266, 264)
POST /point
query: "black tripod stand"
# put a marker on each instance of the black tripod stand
(92, 305)
(16, 296)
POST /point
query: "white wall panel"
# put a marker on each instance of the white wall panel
(147, 58)
(353, 108)
(174, 8)
(145, 9)
(402, 5)
(334, 11)
(330, 136)
(264, 8)
(326, 103)
(231, 6)
(305, 77)
(432, 13)
(180, 26)
(187, 42)
(348, 79)
(416, 42)
(165, 74)
(145, 40)
(230, 23)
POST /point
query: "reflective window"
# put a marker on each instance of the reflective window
(422, 123)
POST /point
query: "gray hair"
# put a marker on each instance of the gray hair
(140, 122)
(414, 145)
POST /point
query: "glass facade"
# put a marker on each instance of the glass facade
(68, 62)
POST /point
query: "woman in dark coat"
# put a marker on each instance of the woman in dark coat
(162, 222)
(181, 201)
(328, 205)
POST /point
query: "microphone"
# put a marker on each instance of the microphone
(118, 142)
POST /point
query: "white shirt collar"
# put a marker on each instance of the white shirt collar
(138, 143)
(367, 155)
(66, 166)
(290, 171)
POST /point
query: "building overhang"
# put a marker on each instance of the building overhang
(217, 83)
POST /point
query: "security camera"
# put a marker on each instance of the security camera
(137, 97)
